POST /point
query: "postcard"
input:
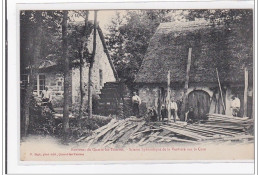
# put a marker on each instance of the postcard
(136, 85)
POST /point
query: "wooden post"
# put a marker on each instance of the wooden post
(220, 89)
(168, 100)
(186, 85)
(245, 92)
(38, 85)
(159, 104)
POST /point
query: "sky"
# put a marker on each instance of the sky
(104, 17)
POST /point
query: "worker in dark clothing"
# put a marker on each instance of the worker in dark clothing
(164, 112)
(190, 116)
(136, 101)
(152, 114)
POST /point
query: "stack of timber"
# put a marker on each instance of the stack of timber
(138, 131)
(110, 98)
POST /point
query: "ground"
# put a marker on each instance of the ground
(50, 148)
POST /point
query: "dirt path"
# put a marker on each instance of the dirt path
(47, 148)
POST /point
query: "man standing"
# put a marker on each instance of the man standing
(174, 108)
(136, 101)
(46, 98)
(235, 106)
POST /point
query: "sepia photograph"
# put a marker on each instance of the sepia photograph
(158, 84)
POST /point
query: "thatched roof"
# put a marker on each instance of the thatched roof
(222, 47)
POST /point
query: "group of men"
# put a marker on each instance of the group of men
(189, 115)
(136, 101)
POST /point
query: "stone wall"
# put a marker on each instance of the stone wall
(55, 83)
(149, 96)
(101, 64)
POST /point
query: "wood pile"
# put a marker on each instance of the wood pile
(134, 130)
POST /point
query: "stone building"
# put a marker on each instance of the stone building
(223, 47)
(50, 75)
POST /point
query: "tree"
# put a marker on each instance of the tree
(39, 41)
(34, 61)
(92, 60)
(242, 18)
(66, 75)
(129, 37)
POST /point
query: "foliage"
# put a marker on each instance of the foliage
(88, 125)
(51, 40)
(129, 37)
(41, 119)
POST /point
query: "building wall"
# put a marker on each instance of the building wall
(101, 63)
(55, 83)
(149, 96)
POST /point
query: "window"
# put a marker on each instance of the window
(41, 83)
(100, 77)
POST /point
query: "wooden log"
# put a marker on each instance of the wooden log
(126, 134)
(226, 116)
(225, 120)
(150, 138)
(147, 130)
(137, 128)
(200, 132)
(220, 126)
(186, 86)
(115, 137)
(107, 135)
(225, 132)
(245, 92)
(142, 140)
(105, 126)
(114, 131)
(220, 89)
(214, 130)
(173, 139)
(106, 130)
(239, 137)
(184, 133)
(168, 99)
(159, 105)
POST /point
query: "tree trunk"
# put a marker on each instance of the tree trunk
(245, 92)
(81, 88)
(33, 71)
(90, 82)
(66, 76)
(84, 44)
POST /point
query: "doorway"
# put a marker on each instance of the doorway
(199, 100)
